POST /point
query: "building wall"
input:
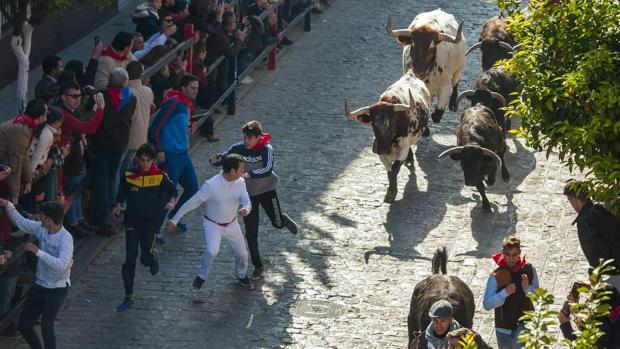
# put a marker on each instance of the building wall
(51, 37)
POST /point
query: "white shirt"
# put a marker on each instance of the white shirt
(55, 256)
(41, 147)
(222, 200)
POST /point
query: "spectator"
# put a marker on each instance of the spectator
(597, 229)
(442, 322)
(506, 292)
(140, 119)
(54, 261)
(110, 141)
(67, 75)
(144, 187)
(161, 83)
(146, 18)
(168, 132)
(200, 71)
(47, 87)
(86, 76)
(42, 145)
(117, 55)
(609, 324)
(15, 137)
(157, 40)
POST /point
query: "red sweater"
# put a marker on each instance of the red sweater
(71, 125)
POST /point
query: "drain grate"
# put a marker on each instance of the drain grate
(317, 309)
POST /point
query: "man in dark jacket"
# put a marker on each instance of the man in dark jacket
(47, 88)
(597, 230)
(144, 188)
(110, 141)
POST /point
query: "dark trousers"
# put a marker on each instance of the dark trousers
(44, 302)
(269, 202)
(138, 236)
(105, 169)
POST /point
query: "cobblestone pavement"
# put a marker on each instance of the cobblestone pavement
(346, 280)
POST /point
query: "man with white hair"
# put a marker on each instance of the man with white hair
(110, 142)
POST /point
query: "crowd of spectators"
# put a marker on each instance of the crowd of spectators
(82, 129)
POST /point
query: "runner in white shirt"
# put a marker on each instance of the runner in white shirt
(223, 194)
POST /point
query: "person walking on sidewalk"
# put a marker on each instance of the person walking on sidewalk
(143, 188)
(54, 261)
(261, 182)
(223, 193)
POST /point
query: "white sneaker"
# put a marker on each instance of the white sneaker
(247, 80)
(197, 295)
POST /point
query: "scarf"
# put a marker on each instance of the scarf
(613, 314)
(262, 141)
(432, 337)
(151, 171)
(183, 98)
(119, 96)
(23, 119)
(108, 51)
(500, 260)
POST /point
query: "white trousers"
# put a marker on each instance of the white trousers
(213, 237)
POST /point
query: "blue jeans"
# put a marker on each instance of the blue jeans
(181, 171)
(105, 169)
(509, 341)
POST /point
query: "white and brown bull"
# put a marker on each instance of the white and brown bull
(398, 121)
(434, 47)
(495, 42)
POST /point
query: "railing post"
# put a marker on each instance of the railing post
(188, 32)
(230, 101)
(271, 64)
(307, 21)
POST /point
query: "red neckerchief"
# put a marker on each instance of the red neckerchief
(153, 170)
(262, 142)
(108, 51)
(613, 314)
(183, 98)
(500, 260)
(24, 119)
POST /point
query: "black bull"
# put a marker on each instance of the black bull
(439, 286)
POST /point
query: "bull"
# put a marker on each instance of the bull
(398, 121)
(439, 286)
(496, 43)
(434, 47)
(481, 145)
(494, 89)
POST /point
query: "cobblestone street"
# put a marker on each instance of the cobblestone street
(346, 280)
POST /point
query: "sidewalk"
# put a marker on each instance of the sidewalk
(79, 50)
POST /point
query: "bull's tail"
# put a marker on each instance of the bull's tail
(440, 260)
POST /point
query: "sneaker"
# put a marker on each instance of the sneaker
(246, 282)
(196, 294)
(197, 283)
(258, 273)
(246, 81)
(210, 137)
(159, 239)
(182, 227)
(290, 224)
(125, 304)
(154, 268)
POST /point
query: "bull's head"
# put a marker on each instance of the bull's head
(423, 41)
(489, 99)
(473, 159)
(493, 50)
(383, 118)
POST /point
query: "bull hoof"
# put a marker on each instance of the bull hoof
(437, 115)
(390, 196)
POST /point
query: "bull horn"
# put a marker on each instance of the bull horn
(475, 46)
(453, 150)
(506, 46)
(492, 154)
(453, 39)
(468, 94)
(355, 113)
(499, 97)
(405, 107)
(395, 33)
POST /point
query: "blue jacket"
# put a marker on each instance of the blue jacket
(169, 128)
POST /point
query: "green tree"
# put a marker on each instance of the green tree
(24, 16)
(569, 70)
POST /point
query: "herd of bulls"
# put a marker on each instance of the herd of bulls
(434, 51)
(433, 59)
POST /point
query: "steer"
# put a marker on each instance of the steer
(434, 47)
(481, 145)
(398, 121)
(439, 286)
(495, 42)
(494, 89)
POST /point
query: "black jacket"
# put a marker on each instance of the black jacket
(146, 195)
(596, 230)
(610, 329)
(113, 133)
